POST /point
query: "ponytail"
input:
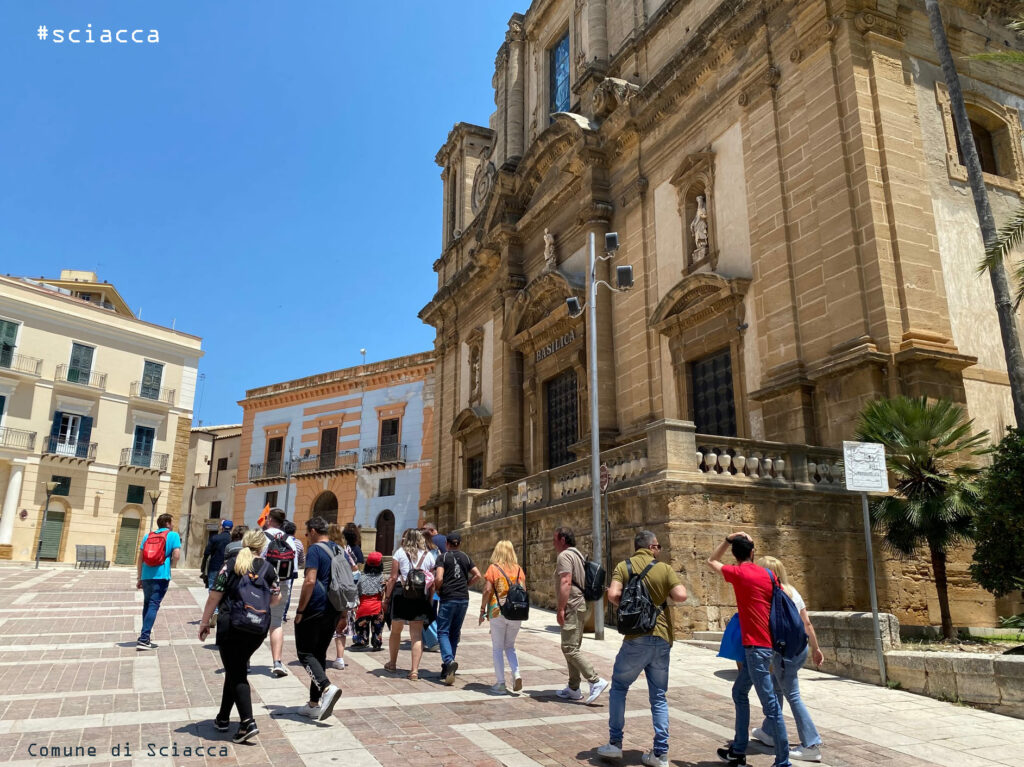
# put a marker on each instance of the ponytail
(253, 542)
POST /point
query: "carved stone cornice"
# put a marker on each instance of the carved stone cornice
(766, 79)
(818, 35)
(697, 298)
(874, 22)
(516, 32)
(611, 94)
(595, 212)
(635, 190)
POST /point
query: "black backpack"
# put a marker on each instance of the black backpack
(593, 587)
(281, 556)
(250, 602)
(637, 613)
(516, 605)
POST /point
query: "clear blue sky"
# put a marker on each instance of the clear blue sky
(263, 176)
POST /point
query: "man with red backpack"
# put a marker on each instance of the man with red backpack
(159, 550)
(282, 556)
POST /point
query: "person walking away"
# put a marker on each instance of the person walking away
(284, 558)
(343, 630)
(213, 556)
(646, 651)
(440, 540)
(315, 619)
(504, 570)
(784, 677)
(353, 543)
(572, 612)
(300, 563)
(242, 585)
(753, 588)
(235, 545)
(408, 598)
(369, 623)
(159, 550)
(454, 574)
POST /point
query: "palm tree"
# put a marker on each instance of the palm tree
(936, 492)
(989, 235)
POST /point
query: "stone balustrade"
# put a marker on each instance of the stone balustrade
(729, 458)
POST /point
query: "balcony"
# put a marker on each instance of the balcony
(271, 471)
(19, 366)
(17, 439)
(148, 393)
(326, 463)
(87, 378)
(384, 456)
(65, 447)
(139, 459)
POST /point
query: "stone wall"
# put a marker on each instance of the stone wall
(847, 641)
(992, 682)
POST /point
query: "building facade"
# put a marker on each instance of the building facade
(98, 402)
(209, 495)
(353, 445)
(784, 180)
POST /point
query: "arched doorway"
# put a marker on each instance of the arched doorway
(128, 537)
(326, 506)
(385, 543)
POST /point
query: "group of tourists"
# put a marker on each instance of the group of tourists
(344, 595)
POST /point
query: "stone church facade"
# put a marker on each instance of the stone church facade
(784, 180)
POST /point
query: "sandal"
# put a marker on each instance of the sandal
(414, 676)
(390, 667)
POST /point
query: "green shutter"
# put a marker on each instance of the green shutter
(53, 528)
(127, 541)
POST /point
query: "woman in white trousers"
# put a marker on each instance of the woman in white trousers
(502, 573)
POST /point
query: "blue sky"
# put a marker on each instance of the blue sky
(263, 176)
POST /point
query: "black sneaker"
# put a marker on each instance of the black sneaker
(449, 673)
(246, 731)
(221, 724)
(140, 645)
(731, 758)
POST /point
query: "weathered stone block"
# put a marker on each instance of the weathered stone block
(941, 682)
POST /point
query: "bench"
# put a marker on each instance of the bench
(91, 556)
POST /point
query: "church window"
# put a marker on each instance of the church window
(558, 66)
(562, 417)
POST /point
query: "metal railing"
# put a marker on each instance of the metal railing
(62, 446)
(384, 454)
(268, 470)
(311, 464)
(21, 364)
(74, 375)
(143, 460)
(17, 439)
(154, 393)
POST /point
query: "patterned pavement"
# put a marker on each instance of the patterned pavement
(70, 677)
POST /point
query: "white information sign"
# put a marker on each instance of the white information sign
(864, 464)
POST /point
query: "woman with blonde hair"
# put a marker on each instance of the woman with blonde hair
(237, 644)
(784, 677)
(408, 600)
(502, 573)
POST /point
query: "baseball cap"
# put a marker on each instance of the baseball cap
(227, 524)
(454, 538)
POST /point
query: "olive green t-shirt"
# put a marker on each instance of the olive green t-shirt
(660, 582)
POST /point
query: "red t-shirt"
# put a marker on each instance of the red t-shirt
(753, 588)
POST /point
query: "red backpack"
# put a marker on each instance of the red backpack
(154, 550)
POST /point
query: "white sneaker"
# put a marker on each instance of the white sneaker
(313, 712)
(609, 751)
(338, 663)
(499, 688)
(652, 760)
(570, 694)
(806, 753)
(279, 670)
(517, 682)
(327, 700)
(760, 735)
(596, 689)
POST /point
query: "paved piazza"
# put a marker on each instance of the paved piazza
(70, 676)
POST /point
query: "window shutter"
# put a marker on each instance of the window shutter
(3, 401)
(55, 428)
(84, 435)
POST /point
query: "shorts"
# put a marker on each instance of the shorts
(277, 611)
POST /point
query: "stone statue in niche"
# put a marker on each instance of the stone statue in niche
(699, 229)
(474, 374)
(550, 258)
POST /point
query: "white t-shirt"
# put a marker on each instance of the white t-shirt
(424, 559)
(277, 532)
(797, 599)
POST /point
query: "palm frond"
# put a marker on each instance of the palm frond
(1007, 238)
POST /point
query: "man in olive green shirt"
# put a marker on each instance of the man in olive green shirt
(648, 653)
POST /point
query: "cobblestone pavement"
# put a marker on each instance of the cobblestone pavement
(70, 676)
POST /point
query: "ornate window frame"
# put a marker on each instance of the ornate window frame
(694, 178)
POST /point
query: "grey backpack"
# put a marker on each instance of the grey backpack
(341, 592)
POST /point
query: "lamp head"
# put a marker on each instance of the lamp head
(624, 277)
(154, 495)
(51, 486)
(611, 242)
(574, 306)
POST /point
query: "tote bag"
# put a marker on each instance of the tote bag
(732, 641)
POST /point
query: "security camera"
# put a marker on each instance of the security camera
(575, 309)
(611, 242)
(624, 277)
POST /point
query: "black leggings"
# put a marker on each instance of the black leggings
(313, 635)
(236, 647)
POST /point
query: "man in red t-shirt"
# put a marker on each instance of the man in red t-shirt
(753, 588)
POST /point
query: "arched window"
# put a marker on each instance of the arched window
(385, 542)
(326, 506)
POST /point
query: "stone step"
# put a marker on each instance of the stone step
(702, 643)
(708, 636)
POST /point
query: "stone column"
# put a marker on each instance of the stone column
(597, 30)
(10, 507)
(515, 88)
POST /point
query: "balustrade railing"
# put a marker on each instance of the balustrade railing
(148, 391)
(268, 470)
(69, 447)
(731, 458)
(384, 454)
(347, 459)
(21, 364)
(75, 375)
(17, 439)
(143, 459)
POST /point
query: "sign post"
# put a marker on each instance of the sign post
(865, 471)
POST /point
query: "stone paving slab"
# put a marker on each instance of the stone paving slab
(70, 678)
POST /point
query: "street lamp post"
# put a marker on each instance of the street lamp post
(624, 277)
(154, 496)
(50, 487)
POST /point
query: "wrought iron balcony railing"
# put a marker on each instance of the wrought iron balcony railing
(154, 393)
(19, 363)
(384, 454)
(91, 378)
(268, 470)
(141, 459)
(311, 464)
(17, 439)
(70, 448)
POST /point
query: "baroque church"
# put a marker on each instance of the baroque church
(784, 181)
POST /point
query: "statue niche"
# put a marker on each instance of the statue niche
(694, 183)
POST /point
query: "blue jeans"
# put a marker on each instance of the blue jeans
(450, 615)
(650, 655)
(755, 674)
(152, 595)
(787, 684)
(210, 578)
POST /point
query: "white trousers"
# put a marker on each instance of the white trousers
(503, 644)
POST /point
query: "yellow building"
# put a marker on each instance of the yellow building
(97, 402)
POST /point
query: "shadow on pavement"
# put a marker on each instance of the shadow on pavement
(290, 714)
